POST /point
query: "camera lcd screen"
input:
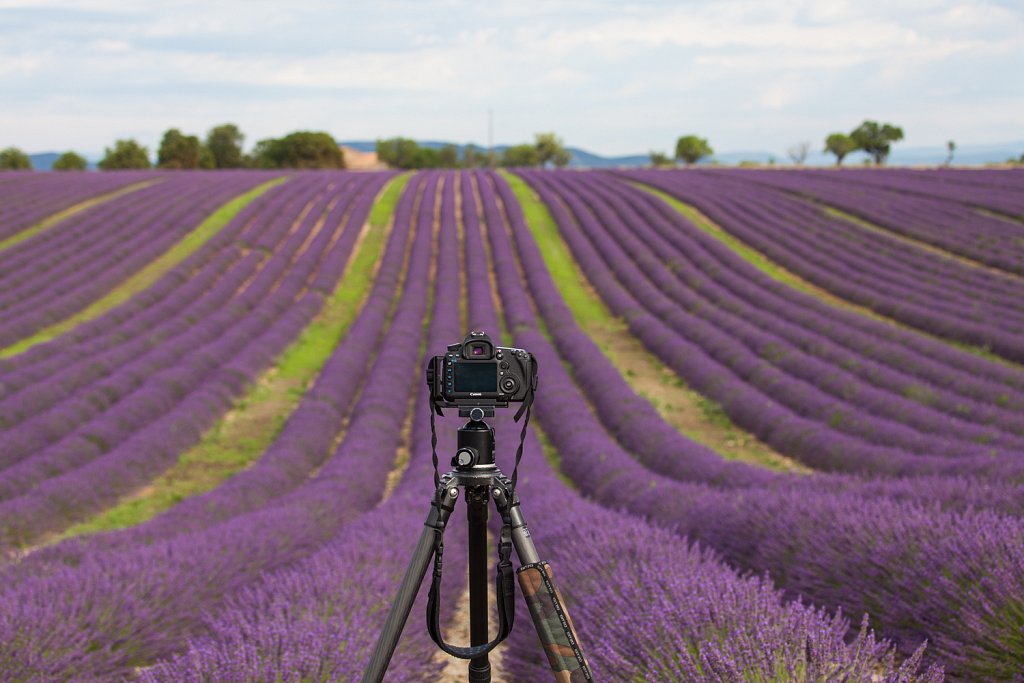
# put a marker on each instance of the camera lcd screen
(476, 377)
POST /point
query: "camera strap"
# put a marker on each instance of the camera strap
(525, 408)
(433, 441)
(505, 592)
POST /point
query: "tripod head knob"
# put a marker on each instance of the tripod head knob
(477, 414)
(464, 457)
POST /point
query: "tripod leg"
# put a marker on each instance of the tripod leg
(547, 608)
(392, 631)
(477, 501)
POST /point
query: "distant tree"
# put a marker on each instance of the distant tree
(521, 155)
(472, 158)
(179, 151)
(426, 157)
(302, 149)
(840, 144)
(69, 161)
(876, 139)
(13, 159)
(692, 149)
(225, 145)
(950, 149)
(659, 159)
(798, 152)
(126, 154)
(398, 152)
(209, 162)
(448, 156)
(551, 149)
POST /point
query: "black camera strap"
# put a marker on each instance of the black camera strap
(433, 441)
(505, 592)
(525, 408)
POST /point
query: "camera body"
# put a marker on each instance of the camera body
(478, 373)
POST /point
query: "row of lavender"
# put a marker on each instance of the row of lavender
(923, 207)
(880, 546)
(279, 510)
(97, 425)
(998, 191)
(805, 385)
(919, 288)
(28, 198)
(318, 619)
(63, 269)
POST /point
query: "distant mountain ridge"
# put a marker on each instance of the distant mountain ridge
(44, 161)
(968, 155)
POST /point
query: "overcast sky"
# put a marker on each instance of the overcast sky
(610, 77)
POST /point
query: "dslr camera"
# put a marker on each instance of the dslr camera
(478, 373)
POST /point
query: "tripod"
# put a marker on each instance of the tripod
(476, 472)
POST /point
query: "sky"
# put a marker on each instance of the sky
(610, 77)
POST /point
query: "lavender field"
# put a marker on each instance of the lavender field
(215, 449)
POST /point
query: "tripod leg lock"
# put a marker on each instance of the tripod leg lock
(554, 626)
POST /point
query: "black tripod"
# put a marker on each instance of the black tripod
(476, 472)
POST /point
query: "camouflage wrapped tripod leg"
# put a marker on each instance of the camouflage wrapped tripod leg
(554, 626)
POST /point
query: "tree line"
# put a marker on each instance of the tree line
(547, 149)
(221, 148)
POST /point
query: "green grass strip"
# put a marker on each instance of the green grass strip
(751, 256)
(51, 221)
(694, 415)
(587, 308)
(256, 418)
(146, 277)
(780, 274)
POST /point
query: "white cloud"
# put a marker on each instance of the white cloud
(608, 76)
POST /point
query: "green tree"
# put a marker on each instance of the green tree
(225, 146)
(551, 149)
(448, 156)
(126, 154)
(840, 144)
(951, 149)
(398, 152)
(178, 150)
(876, 139)
(206, 159)
(520, 155)
(472, 157)
(660, 159)
(13, 159)
(302, 149)
(692, 149)
(426, 157)
(69, 161)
